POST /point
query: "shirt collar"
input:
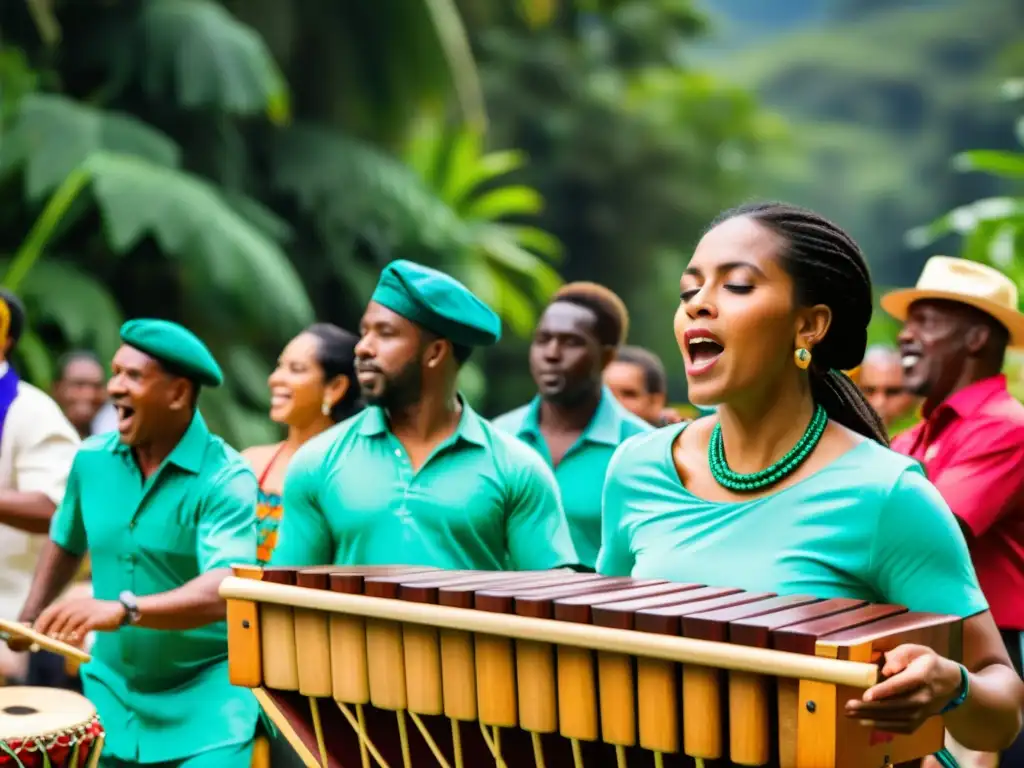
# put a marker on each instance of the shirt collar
(605, 425)
(375, 423)
(969, 400)
(191, 448)
(4, 367)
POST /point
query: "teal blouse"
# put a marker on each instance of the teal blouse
(868, 526)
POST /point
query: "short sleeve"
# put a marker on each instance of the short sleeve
(984, 480)
(919, 556)
(616, 556)
(67, 527)
(45, 449)
(537, 530)
(226, 532)
(303, 535)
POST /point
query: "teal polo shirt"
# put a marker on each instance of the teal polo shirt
(581, 471)
(482, 501)
(162, 695)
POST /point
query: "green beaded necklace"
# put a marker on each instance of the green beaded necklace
(768, 477)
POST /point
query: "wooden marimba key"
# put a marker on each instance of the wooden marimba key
(560, 669)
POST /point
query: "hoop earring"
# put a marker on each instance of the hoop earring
(802, 358)
(325, 409)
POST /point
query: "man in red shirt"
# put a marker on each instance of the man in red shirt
(958, 322)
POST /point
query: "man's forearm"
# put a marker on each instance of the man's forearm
(192, 605)
(54, 571)
(28, 511)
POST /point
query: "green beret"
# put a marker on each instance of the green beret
(177, 349)
(437, 302)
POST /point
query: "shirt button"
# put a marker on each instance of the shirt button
(398, 452)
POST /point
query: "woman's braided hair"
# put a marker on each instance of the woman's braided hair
(828, 268)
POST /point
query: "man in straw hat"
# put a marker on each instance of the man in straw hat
(164, 508)
(958, 322)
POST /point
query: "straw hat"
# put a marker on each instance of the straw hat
(967, 282)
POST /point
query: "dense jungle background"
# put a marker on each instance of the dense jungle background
(246, 166)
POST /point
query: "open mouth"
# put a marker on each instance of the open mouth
(703, 351)
(125, 417)
(278, 399)
(909, 360)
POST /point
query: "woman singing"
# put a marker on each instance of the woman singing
(790, 487)
(312, 388)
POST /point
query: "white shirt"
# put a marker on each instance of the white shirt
(36, 452)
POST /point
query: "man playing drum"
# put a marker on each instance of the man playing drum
(164, 507)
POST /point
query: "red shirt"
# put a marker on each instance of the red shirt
(972, 447)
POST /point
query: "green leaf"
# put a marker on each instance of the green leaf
(535, 239)
(241, 427)
(507, 254)
(352, 187)
(249, 372)
(480, 171)
(36, 364)
(190, 221)
(1005, 164)
(197, 52)
(966, 219)
(53, 135)
(81, 306)
(504, 202)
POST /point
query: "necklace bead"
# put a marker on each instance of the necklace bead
(769, 476)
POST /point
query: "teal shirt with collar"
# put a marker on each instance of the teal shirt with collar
(161, 695)
(581, 471)
(482, 500)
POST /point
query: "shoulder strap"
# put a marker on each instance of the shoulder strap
(270, 464)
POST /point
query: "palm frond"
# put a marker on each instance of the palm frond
(352, 187)
(52, 135)
(189, 221)
(196, 52)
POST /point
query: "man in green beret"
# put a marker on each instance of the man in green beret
(164, 508)
(418, 477)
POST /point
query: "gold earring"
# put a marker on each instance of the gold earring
(802, 358)
(325, 409)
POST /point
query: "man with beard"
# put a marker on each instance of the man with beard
(418, 478)
(164, 509)
(958, 322)
(575, 423)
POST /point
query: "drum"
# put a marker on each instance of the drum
(42, 727)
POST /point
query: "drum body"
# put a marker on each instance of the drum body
(48, 726)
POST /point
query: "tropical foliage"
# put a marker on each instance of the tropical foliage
(166, 158)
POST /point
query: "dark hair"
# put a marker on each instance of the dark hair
(655, 379)
(73, 357)
(612, 324)
(828, 268)
(336, 354)
(17, 310)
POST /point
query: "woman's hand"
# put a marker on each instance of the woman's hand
(919, 684)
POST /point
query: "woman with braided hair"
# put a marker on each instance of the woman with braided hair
(790, 486)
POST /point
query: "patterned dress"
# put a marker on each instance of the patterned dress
(269, 509)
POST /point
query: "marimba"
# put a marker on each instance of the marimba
(408, 666)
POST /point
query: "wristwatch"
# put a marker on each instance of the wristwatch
(131, 608)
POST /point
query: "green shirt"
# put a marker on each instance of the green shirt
(482, 500)
(868, 526)
(161, 695)
(581, 471)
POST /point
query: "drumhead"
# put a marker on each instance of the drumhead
(34, 712)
